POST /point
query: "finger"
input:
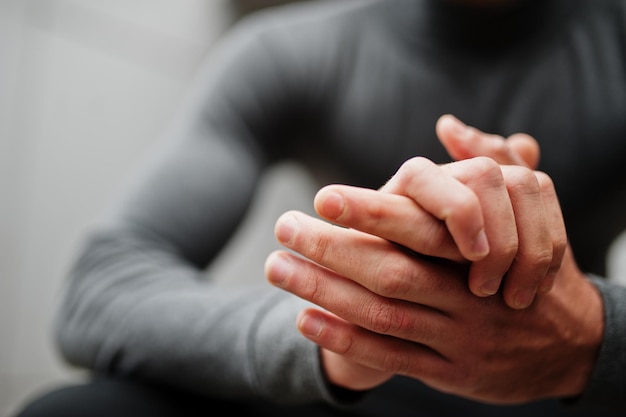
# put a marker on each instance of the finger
(526, 147)
(393, 217)
(346, 372)
(535, 252)
(464, 142)
(380, 352)
(484, 177)
(556, 223)
(445, 198)
(370, 261)
(352, 302)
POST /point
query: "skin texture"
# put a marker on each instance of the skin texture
(541, 235)
(398, 302)
(463, 142)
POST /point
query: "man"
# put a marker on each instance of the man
(353, 89)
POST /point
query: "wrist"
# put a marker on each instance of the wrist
(585, 342)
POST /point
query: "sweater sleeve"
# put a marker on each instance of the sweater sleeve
(137, 302)
(607, 388)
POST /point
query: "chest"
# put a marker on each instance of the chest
(571, 98)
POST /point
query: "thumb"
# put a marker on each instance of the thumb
(526, 147)
(463, 142)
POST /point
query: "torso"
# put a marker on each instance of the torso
(563, 81)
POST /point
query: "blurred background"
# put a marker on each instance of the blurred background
(85, 87)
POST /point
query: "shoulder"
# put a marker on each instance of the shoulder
(602, 22)
(296, 40)
(309, 22)
(613, 11)
(312, 13)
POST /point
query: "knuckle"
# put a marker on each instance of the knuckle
(438, 241)
(384, 318)
(539, 259)
(319, 248)
(414, 166)
(484, 166)
(398, 363)
(417, 163)
(396, 276)
(481, 170)
(413, 170)
(545, 182)
(345, 345)
(522, 180)
(375, 211)
(508, 249)
(313, 289)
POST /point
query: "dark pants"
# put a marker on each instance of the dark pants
(109, 397)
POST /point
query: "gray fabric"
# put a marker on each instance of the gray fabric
(608, 384)
(350, 89)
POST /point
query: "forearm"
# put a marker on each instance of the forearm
(143, 313)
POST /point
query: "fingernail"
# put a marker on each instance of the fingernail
(333, 205)
(523, 298)
(491, 286)
(481, 244)
(310, 326)
(460, 129)
(279, 269)
(285, 229)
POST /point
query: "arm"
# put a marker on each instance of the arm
(137, 303)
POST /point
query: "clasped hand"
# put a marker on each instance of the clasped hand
(458, 275)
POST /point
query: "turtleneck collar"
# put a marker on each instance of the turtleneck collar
(474, 28)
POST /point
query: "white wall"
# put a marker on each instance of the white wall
(85, 86)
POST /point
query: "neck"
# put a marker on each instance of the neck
(483, 3)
